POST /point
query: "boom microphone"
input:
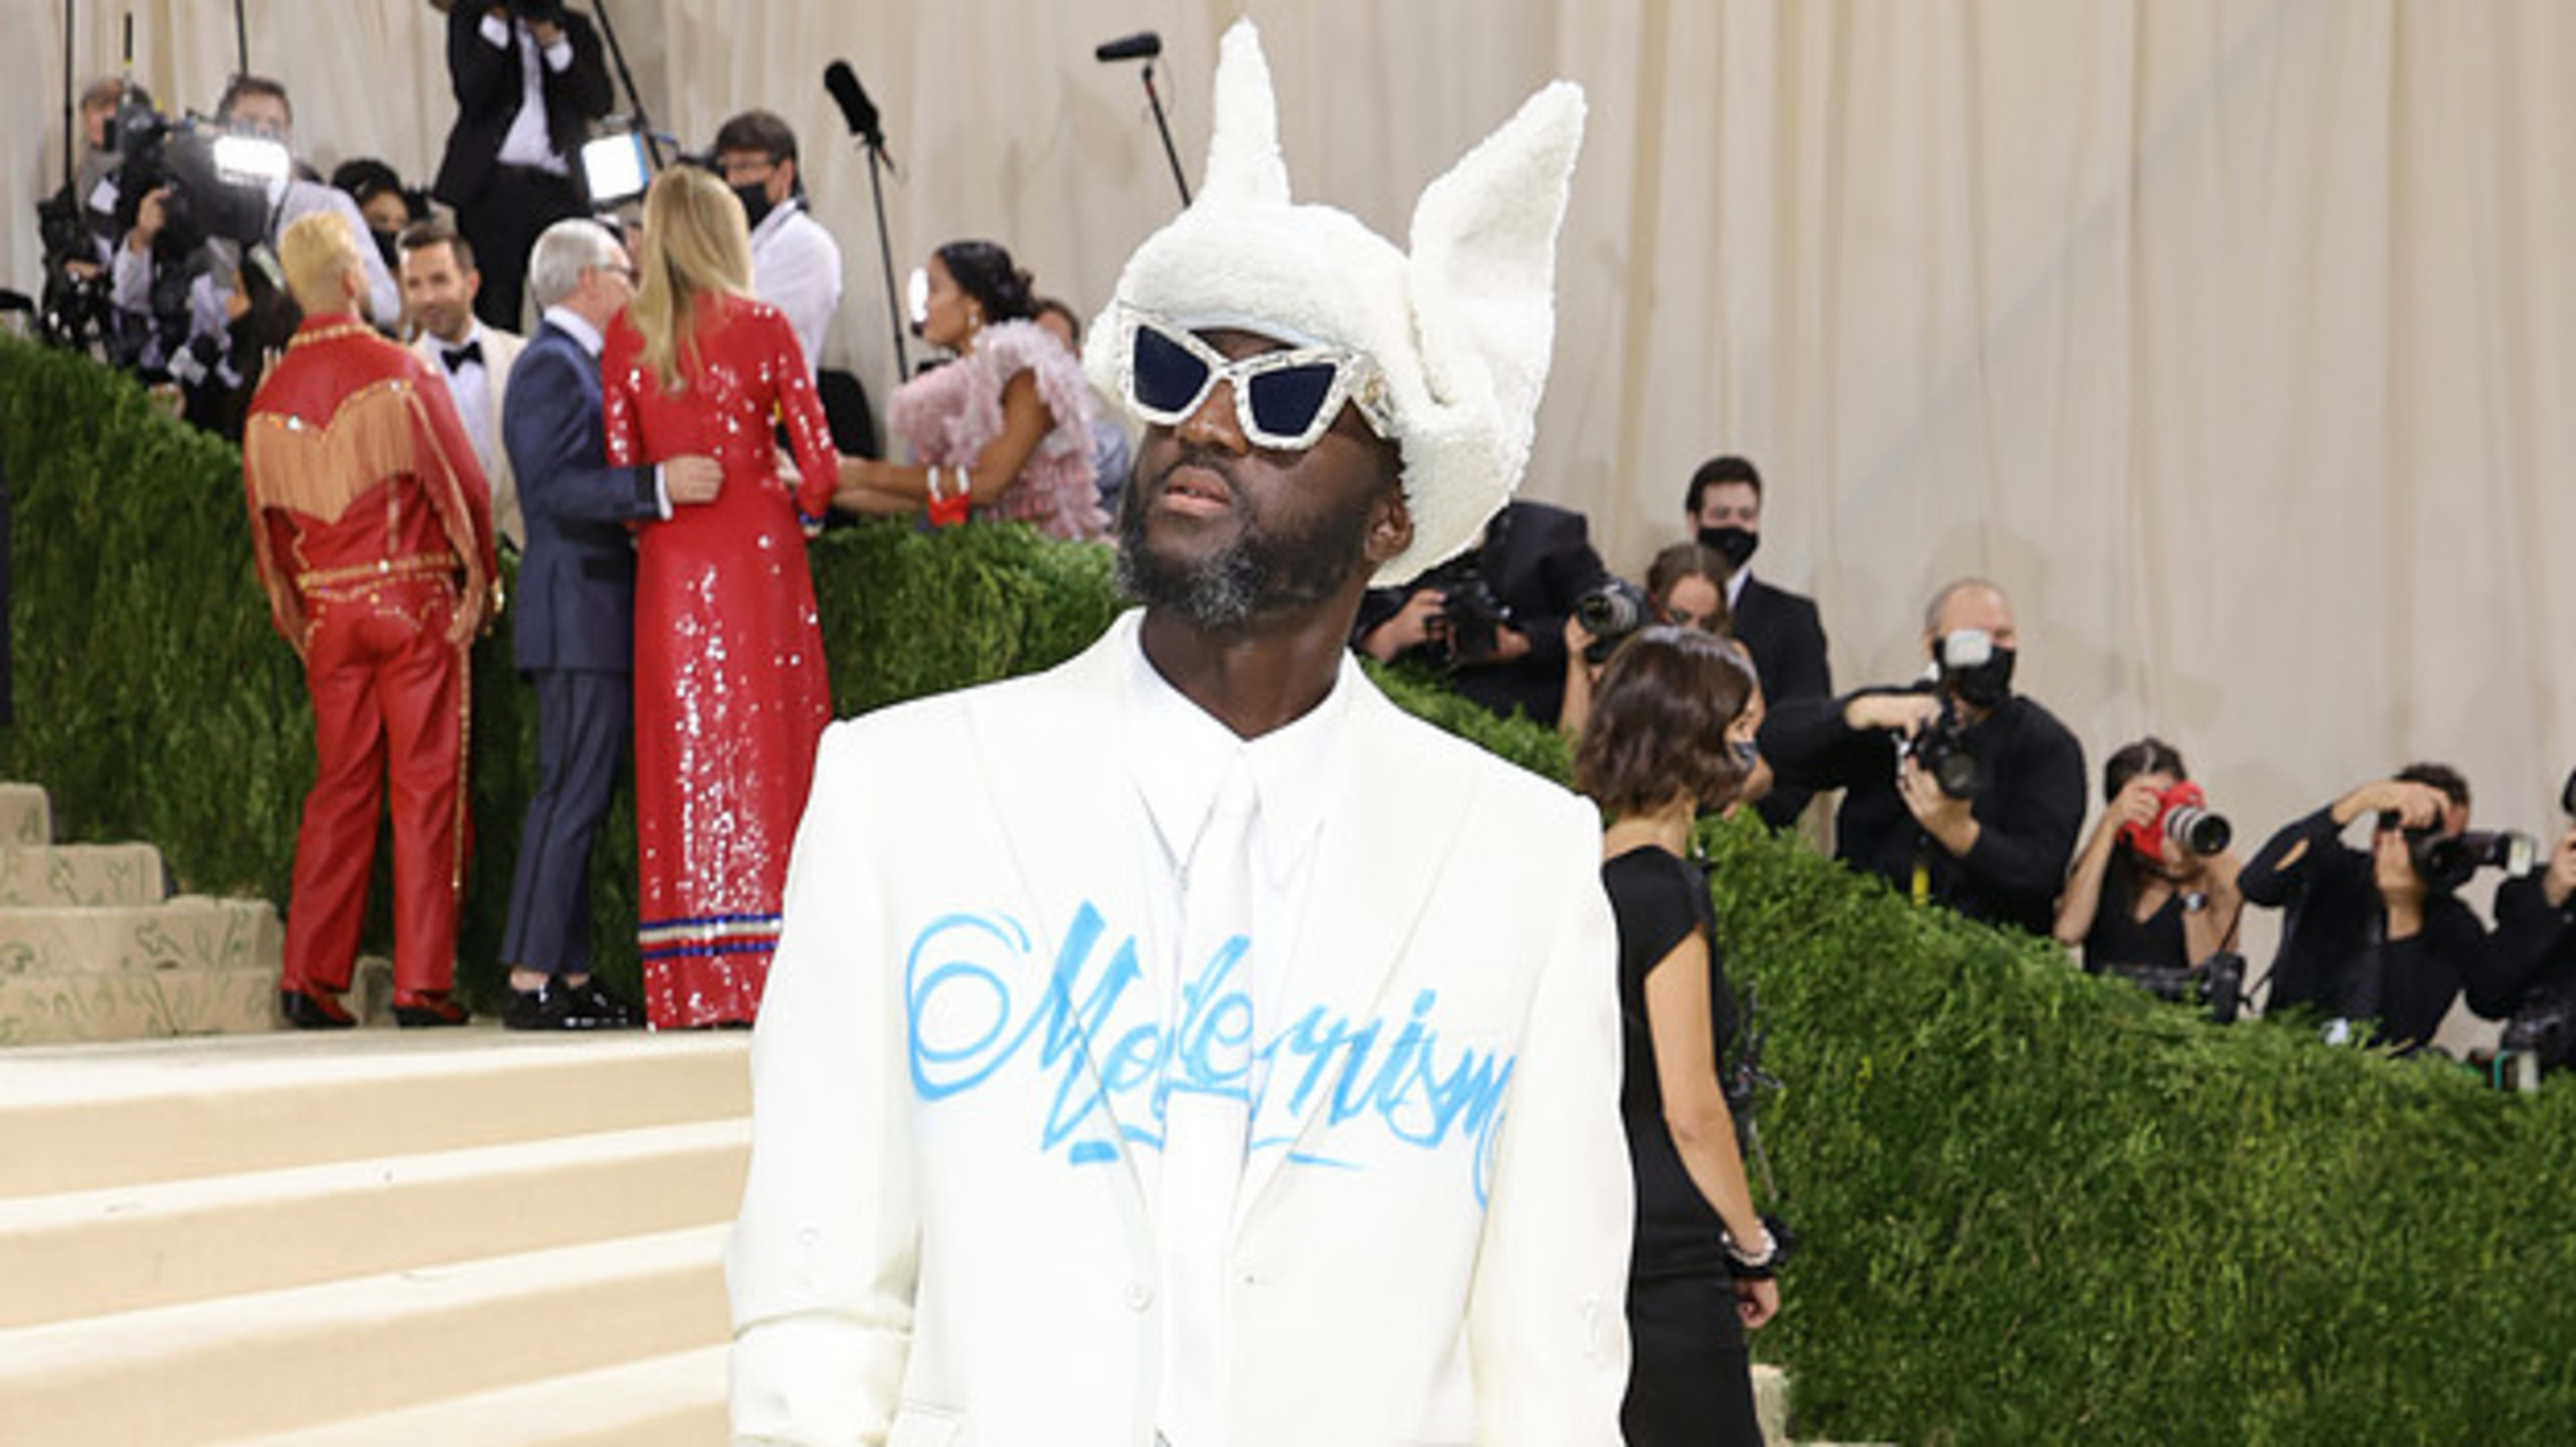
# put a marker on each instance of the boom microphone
(1143, 45)
(856, 109)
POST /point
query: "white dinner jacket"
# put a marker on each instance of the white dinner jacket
(500, 351)
(945, 1239)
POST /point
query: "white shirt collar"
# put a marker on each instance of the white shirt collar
(776, 221)
(1178, 755)
(576, 327)
(473, 334)
(1735, 586)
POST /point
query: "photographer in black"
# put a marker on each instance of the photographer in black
(1494, 618)
(2153, 897)
(2526, 976)
(2373, 936)
(1959, 791)
(529, 76)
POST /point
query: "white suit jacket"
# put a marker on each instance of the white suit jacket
(500, 350)
(945, 1239)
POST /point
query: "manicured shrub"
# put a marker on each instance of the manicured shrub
(2036, 1206)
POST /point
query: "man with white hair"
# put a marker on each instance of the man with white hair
(573, 633)
(373, 533)
(1263, 1086)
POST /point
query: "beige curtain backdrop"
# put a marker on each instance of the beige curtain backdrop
(2236, 338)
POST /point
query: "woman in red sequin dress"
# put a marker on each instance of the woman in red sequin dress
(730, 691)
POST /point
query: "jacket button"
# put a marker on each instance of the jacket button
(1139, 1296)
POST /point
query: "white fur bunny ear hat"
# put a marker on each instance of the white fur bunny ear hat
(1460, 329)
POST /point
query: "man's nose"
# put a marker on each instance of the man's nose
(1214, 424)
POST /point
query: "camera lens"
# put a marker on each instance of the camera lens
(2197, 829)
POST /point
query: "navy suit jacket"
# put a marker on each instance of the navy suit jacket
(576, 603)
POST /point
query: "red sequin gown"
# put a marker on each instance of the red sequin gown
(730, 692)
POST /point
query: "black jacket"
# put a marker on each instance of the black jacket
(2028, 810)
(1537, 560)
(2530, 960)
(489, 88)
(2335, 955)
(1787, 640)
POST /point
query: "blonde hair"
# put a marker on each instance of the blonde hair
(695, 244)
(315, 253)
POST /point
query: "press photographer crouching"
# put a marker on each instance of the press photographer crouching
(2527, 974)
(2153, 897)
(2376, 939)
(1959, 791)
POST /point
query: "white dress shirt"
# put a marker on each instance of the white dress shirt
(470, 387)
(527, 143)
(1235, 822)
(1735, 582)
(796, 267)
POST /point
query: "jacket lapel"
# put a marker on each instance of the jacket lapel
(1060, 804)
(1363, 905)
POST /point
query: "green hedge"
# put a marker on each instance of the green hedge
(2037, 1207)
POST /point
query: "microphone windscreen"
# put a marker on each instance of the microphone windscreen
(1143, 45)
(857, 110)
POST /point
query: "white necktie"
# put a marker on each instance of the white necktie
(1206, 1120)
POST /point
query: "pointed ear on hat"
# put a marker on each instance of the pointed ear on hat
(1481, 283)
(1244, 166)
(1483, 268)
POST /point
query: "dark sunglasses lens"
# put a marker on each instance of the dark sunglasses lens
(1284, 402)
(1168, 378)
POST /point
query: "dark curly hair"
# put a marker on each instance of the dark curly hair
(983, 270)
(1659, 720)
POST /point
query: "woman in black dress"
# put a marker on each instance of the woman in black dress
(2143, 904)
(1671, 734)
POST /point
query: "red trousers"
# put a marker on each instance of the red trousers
(390, 695)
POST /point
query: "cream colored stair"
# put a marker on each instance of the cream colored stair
(91, 949)
(455, 1237)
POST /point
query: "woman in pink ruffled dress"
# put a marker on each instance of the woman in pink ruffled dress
(1003, 432)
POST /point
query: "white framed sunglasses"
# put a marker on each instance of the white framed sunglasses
(1283, 400)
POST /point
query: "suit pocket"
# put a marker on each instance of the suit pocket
(918, 1424)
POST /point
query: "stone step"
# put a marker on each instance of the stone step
(1771, 1401)
(287, 1360)
(671, 1401)
(53, 1009)
(26, 814)
(190, 932)
(85, 1117)
(126, 1248)
(76, 874)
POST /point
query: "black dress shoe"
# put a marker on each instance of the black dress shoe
(308, 1011)
(414, 1012)
(555, 1006)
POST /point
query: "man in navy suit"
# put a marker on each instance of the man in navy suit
(574, 634)
(1779, 628)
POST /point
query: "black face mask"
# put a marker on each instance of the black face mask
(754, 196)
(1734, 544)
(1985, 685)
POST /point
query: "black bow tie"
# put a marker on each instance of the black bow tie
(457, 357)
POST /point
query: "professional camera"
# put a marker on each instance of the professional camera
(218, 179)
(1470, 614)
(2446, 861)
(2183, 820)
(77, 311)
(1610, 613)
(2222, 985)
(1941, 747)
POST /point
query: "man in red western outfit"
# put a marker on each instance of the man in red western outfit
(373, 529)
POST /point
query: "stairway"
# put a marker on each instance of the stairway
(368, 1237)
(92, 947)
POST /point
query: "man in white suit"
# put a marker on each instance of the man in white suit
(439, 284)
(1262, 1086)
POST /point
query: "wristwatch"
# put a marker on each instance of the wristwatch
(2194, 902)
